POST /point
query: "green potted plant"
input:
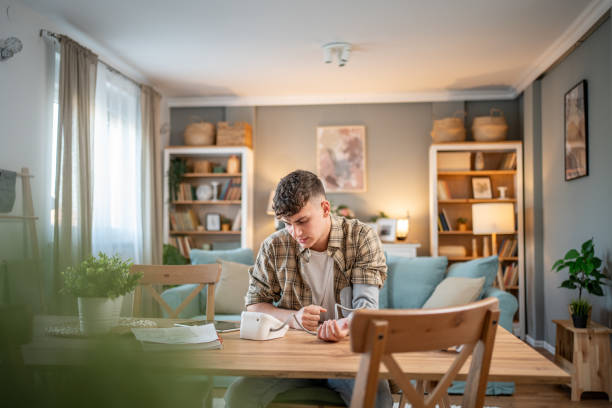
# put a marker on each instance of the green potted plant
(178, 167)
(584, 273)
(99, 283)
(462, 224)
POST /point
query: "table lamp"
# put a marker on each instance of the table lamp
(402, 227)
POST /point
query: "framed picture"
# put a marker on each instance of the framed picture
(341, 158)
(213, 222)
(386, 229)
(481, 187)
(576, 132)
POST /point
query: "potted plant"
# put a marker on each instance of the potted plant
(583, 274)
(99, 284)
(462, 224)
(178, 167)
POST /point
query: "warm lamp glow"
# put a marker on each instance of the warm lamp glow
(493, 218)
(402, 228)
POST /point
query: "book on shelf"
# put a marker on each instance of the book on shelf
(443, 221)
(184, 220)
(237, 221)
(443, 190)
(508, 162)
(223, 193)
(511, 275)
(447, 219)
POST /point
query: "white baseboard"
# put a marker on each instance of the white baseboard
(541, 344)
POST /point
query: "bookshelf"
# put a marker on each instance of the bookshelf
(452, 167)
(184, 215)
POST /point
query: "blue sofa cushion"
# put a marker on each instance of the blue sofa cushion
(413, 280)
(240, 255)
(482, 267)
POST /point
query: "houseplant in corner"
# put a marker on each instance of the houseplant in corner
(99, 283)
(584, 273)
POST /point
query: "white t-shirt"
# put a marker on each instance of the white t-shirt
(319, 275)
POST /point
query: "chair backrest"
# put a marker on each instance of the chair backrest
(177, 275)
(378, 334)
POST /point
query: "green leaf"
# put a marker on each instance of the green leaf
(568, 284)
(557, 264)
(572, 254)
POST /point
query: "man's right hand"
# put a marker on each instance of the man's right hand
(309, 317)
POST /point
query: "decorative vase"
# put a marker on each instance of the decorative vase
(462, 226)
(580, 321)
(233, 164)
(97, 315)
(479, 161)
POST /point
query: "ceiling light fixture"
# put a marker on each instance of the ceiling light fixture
(341, 49)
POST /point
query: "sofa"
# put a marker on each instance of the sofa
(410, 284)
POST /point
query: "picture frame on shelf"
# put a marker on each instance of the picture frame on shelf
(576, 132)
(481, 188)
(386, 229)
(213, 222)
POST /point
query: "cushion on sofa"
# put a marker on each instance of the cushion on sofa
(455, 292)
(231, 288)
(240, 255)
(412, 280)
(482, 267)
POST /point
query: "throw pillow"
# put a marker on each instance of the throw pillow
(231, 288)
(482, 267)
(455, 292)
(413, 280)
(240, 255)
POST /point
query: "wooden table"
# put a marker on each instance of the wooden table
(585, 353)
(301, 355)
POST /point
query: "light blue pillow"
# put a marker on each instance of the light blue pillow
(477, 268)
(413, 280)
(240, 255)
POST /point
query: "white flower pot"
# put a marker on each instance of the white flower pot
(98, 315)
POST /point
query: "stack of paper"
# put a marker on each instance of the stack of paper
(178, 338)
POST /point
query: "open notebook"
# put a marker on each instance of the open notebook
(178, 338)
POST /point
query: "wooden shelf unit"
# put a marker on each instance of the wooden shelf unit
(459, 204)
(228, 208)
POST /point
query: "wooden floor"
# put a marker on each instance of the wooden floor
(531, 396)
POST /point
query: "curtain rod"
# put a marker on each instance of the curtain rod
(58, 37)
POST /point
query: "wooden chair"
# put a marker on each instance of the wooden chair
(178, 275)
(378, 334)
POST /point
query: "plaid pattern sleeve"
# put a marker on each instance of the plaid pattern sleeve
(263, 283)
(369, 266)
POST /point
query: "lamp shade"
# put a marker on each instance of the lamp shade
(402, 228)
(493, 218)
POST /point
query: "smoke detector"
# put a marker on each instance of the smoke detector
(341, 49)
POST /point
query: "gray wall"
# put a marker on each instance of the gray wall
(575, 211)
(397, 146)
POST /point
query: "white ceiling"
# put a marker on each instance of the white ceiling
(272, 48)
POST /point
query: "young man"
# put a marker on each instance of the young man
(316, 261)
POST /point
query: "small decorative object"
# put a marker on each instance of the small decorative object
(200, 134)
(9, 47)
(343, 211)
(215, 191)
(233, 164)
(204, 192)
(341, 160)
(99, 284)
(226, 223)
(502, 192)
(479, 161)
(462, 224)
(206, 246)
(481, 187)
(238, 134)
(474, 248)
(450, 129)
(453, 161)
(218, 169)
(386, 229)
(213, 222)
(491, 128)
(202, 166)
(584, 273)
(576, 132)
(402, 228)
(178, 167)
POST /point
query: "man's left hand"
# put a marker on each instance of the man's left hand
(333, 330)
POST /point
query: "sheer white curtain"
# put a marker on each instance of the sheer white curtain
(117, 182)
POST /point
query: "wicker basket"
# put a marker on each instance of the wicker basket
(239, 134)
(449, 129)
(490, 128)
(200, 134)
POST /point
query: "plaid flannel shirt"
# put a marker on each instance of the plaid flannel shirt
(277, 276)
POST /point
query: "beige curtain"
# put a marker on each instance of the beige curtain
(73, 188)
(151, 176)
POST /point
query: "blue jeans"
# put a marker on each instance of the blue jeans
(252, 392)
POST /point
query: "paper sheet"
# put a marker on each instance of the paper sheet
(178, 335)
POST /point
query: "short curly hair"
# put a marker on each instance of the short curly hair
(293, 192)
